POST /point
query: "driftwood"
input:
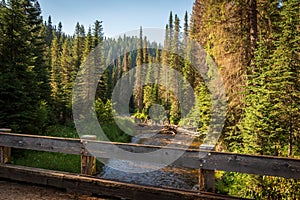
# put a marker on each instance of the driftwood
(173, 130)
(169, 129)
(182, 130)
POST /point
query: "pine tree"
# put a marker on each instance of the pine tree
(21, 53)
(66, 71)
(55, 80)
(126, 66)
(174, 80)
(287, 64)
(78, 47)
(186, 25)
(99, 61)
(145, 51)
(88, 45)
(59, 31)
(270, 125)
(257, 126)
(186, 34)
(98, 33)
(138, 93)
(171, 28)
(273, 91)
(253, 30)
(165, 65)
(49, 31)
(228, 32)
(39, 48)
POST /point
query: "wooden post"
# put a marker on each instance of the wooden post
(88, 163)
(5, 152)
(207, 178)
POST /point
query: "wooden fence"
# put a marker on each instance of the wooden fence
(204, 159)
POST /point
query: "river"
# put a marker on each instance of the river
(169, 177)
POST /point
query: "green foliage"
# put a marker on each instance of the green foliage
(150, 96)
(104, 111)
(234, 184)
(262, 83)
(175, 113)
(271, 117)
(200, 114)
(42, 117)
(39, 64)
(204, 106)
(138, 91)
(141, 116)
(98, 33)
(105, 117)
(257, 187)
(23, 73)
(277, 188)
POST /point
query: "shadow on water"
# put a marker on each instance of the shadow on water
(170, 177)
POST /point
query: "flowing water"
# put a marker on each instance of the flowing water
(170, 176)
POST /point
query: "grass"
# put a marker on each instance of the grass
(46, 160)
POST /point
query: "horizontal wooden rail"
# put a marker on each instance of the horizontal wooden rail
(41, 143)
(251, 164)
(195, 159)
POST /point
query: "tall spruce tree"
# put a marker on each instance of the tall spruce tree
(88, 45)
(67, 80)
(49, 31)
(138, 92)
(22, 66)
(228, 32)
(78, 46)
(98, 33)
(174, 80)
(273, 92)
(270, 121)
(165, 65)
(55, 81)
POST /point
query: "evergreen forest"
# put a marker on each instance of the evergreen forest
(255, 45)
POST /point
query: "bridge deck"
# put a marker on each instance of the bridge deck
(24, 191)
(92, 186)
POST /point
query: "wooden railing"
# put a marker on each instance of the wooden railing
(204, 159)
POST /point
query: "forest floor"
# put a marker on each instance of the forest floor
(20, 191)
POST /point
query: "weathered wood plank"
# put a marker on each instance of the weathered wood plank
(260, 165)
(89, 185)
(41, 143)
(250, 164)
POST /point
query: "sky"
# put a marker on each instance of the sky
(118, 16)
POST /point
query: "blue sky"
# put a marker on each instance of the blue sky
(118, 16)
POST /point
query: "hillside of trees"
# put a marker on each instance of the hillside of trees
(255, 45)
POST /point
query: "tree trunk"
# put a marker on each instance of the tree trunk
(253, 30)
